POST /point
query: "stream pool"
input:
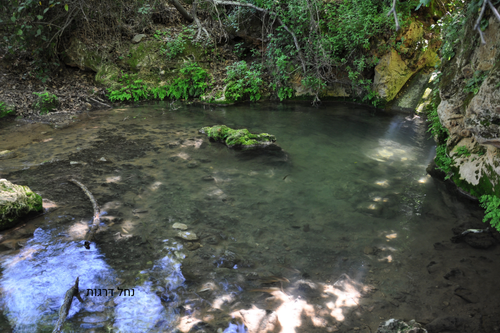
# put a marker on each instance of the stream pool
(338, 231)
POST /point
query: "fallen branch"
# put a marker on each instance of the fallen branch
(98, 102)
(242, 4)
(97, 219)
(64, 310)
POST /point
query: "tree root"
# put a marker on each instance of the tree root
(97, 219)
(64, 310)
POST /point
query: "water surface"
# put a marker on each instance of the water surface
(334, 232)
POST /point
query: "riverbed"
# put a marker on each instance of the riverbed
(337, 230)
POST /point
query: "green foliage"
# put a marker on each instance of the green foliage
(191, 83)
(443, 161)
(130, 89)
(491, 204)
(462, 151)
(5, 110)
(174, 46)
(243, 82)
(46, 102)
(348, 25)
(437, 130)
(473, 84)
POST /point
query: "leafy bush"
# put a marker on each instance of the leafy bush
(5, 110)
(491, 204)
(243, 82)
(46, 102)
(192, 83)
(130, 89)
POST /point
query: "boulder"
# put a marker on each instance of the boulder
(392, 72)
(241, 138)
(15, 202)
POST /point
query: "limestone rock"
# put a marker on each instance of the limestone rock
(186, 235)
(473, 120)
(392, 72)
(15, 202)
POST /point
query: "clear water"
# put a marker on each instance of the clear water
(313, 233)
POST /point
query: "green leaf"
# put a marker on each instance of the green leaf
(38, 33)
(45, 10)
(19, 32)
(13, 19)
(39, 17)
(66, 7)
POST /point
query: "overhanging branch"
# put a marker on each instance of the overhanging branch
(244, 4)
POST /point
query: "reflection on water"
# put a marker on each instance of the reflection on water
(313, 236)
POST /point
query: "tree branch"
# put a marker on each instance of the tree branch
(393, 10)
(243, 4)
(181, 10)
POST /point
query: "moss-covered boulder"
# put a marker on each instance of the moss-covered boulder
(15, 202)
(240, 138)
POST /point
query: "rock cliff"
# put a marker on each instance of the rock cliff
(470, 109)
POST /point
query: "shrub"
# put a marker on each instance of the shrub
(243, 82)
(5, 110)
(46, 102)
(192, 83)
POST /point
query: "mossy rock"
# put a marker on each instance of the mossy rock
(16, 201)
(241, 138)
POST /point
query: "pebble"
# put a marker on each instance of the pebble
(190, 236)
(180, 226)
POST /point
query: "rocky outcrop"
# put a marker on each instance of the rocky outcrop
(470, 110)
(392, 72)
(15, 202)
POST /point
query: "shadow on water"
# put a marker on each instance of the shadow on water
(335, 231)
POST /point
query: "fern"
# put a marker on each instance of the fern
(491, 204)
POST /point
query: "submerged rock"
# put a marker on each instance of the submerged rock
(241, 138)
(15, 202)
(189, 236)
(399, 326)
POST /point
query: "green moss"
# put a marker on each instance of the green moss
(237, 138)
(12, 210)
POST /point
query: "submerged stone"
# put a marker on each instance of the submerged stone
(241, 138)
(189, 236)
(180, 226)
(15, 202)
